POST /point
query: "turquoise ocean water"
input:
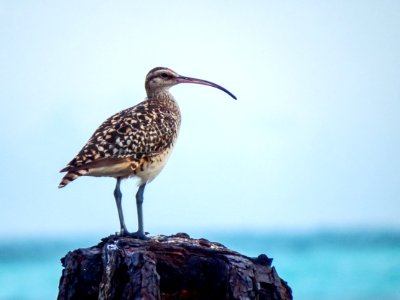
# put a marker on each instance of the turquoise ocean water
(326, 265)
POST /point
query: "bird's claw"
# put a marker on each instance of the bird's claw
(136, 235)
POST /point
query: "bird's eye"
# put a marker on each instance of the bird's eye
(164, 75)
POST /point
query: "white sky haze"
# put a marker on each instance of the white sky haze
(313, 140)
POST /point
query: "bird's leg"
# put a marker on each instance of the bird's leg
(118, 198)
(139, 201)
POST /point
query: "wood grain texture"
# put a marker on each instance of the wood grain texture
(174, 267)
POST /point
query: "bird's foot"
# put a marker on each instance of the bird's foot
(136, 235)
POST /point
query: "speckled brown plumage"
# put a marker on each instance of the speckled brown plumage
(134, 137)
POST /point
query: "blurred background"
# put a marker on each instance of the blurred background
(304, 166)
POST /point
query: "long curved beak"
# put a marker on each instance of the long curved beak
(184, 79)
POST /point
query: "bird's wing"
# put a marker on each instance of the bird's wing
(135, 133)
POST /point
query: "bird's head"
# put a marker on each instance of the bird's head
(160, 79)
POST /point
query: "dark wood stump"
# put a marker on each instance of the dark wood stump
(174, 267)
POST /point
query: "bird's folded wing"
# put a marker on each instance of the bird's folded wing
(134, 133)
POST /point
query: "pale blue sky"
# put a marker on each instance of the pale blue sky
(312, 142)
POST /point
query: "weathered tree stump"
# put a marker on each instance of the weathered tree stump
(174, 267)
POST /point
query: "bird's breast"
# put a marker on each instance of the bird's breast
(152, 166)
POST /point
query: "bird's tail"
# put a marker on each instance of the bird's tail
(71, 176)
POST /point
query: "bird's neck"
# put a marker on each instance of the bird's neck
(159, 94)
(163, 98)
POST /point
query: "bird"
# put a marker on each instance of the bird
(135, 142)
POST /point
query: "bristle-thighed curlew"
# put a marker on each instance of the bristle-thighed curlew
(135, 142)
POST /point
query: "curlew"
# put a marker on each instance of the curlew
(136, 142)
